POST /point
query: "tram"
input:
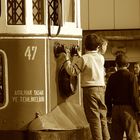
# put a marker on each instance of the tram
(29, 31)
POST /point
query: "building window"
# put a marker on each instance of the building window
(38, 12)
(15, 12)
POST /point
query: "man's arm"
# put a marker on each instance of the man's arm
(108, 97)
(135, 94)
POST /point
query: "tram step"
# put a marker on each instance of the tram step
(78, 134)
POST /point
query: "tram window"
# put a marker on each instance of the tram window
(3, 80)
(54, 12)
(38, 11)
(16, 12)
(69, 5)
(0, 7)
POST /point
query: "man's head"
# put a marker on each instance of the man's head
(92, 42)
(121, 61)
(136, 67)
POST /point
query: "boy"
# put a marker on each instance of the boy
(91, 67)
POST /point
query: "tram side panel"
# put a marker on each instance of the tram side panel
(24, 82)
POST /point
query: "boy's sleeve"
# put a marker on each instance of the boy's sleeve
(75, 67)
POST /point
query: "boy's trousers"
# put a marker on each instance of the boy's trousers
(95, 110)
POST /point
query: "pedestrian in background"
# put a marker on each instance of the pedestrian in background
(121, 98)
(137, 72)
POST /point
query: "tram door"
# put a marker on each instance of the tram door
(55, 96)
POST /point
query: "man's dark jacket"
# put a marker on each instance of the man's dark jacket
(122, 89)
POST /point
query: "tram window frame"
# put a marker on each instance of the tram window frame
(4, 84)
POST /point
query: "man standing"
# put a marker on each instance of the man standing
(137, 72)
(121, 100)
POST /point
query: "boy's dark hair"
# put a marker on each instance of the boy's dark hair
(92, 41)
(121, 60)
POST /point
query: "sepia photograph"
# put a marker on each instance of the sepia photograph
(69, 70)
